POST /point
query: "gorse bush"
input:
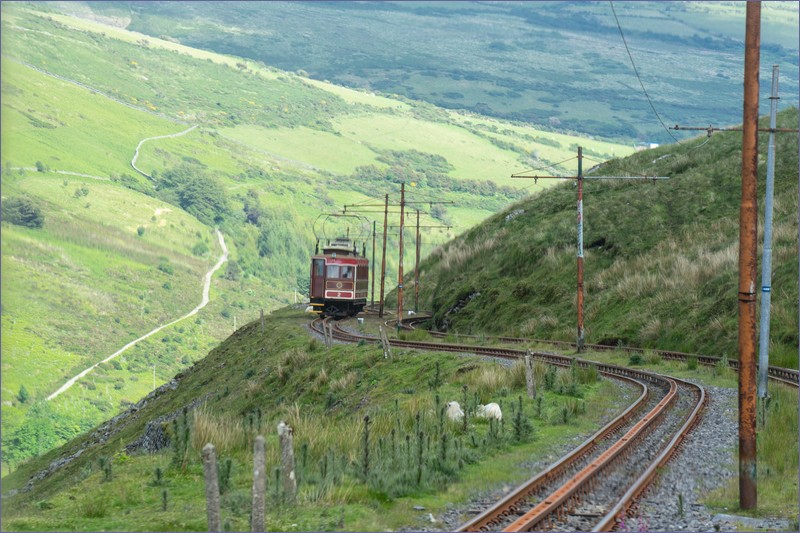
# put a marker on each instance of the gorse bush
(22, 212)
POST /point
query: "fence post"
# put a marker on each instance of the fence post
(287, 461)
(259, 484)
(529, 379)
(212, 487)
(387, 352)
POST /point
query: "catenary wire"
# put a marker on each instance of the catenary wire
(637, 74)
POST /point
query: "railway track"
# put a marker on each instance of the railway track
(598, 482)
(788, 376)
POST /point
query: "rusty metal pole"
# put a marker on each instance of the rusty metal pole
(580, 251)
(400, 267)
(372, 259)
(383, 260)
(416, 272)
(748, 229)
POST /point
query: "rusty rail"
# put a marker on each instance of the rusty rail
(788, 376)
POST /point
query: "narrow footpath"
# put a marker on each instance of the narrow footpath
(203, 303)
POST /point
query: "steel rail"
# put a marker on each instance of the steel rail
(569, 492)
(512, 502)
(611, 519)
(788, 376)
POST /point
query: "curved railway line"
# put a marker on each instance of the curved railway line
(597, 484)
(788, 376)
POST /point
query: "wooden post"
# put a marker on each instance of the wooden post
(259, 484)
(212, 487)
(287, 461)
(387, 353)
(529, 379)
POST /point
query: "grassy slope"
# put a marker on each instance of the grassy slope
(324, 395)
(661, 258)
(93, 278)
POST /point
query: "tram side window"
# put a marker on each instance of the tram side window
(333, 271)
(319, 267)
(347, 272)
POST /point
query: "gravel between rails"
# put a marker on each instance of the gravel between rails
(705, 462)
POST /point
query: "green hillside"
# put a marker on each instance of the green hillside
(255, 379)
(661, 258)
(121, 253)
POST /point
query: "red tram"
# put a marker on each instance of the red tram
(339, 280)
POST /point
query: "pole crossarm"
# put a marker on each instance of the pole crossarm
(448, 227)
(580, 179)
(396, 205)
(712, 129)
(594, 177)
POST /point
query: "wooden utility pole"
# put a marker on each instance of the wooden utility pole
(748, 238)
(400, 266)
(580, 341)
(403, 203)
(416, 272)
(383, 260)
(372, 258)
(579, 178)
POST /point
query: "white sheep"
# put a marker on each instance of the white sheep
(491, 410)
(454, 411)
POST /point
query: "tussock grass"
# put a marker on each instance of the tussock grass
(225, 433)
(490, 380)
(343, 383)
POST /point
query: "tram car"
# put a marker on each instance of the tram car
(339, 280)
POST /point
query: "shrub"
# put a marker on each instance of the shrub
(140, 230)
(22, 212)
(23, 394)
(635, 359)
(200, 248)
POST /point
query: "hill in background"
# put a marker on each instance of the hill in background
(560, 64)
(661, 258)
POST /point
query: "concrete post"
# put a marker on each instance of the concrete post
(529, 379)
(212, 487)
(259, 484)
(287, 461)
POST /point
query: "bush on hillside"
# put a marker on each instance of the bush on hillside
(22, 212)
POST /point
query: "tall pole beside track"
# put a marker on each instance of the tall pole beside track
(383, 260)
(416, 272)
(580, 342)
(400, 267)
(372, 259)
(766, 263)
(748, 268)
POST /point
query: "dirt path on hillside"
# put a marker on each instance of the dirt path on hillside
(203, 303)
(136, 153)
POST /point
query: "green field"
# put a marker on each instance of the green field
(272, 146)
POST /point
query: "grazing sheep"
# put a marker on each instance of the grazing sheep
(491, 410)
(454, 411)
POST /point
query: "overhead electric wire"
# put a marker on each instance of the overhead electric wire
(548, 166)
(637, 74)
